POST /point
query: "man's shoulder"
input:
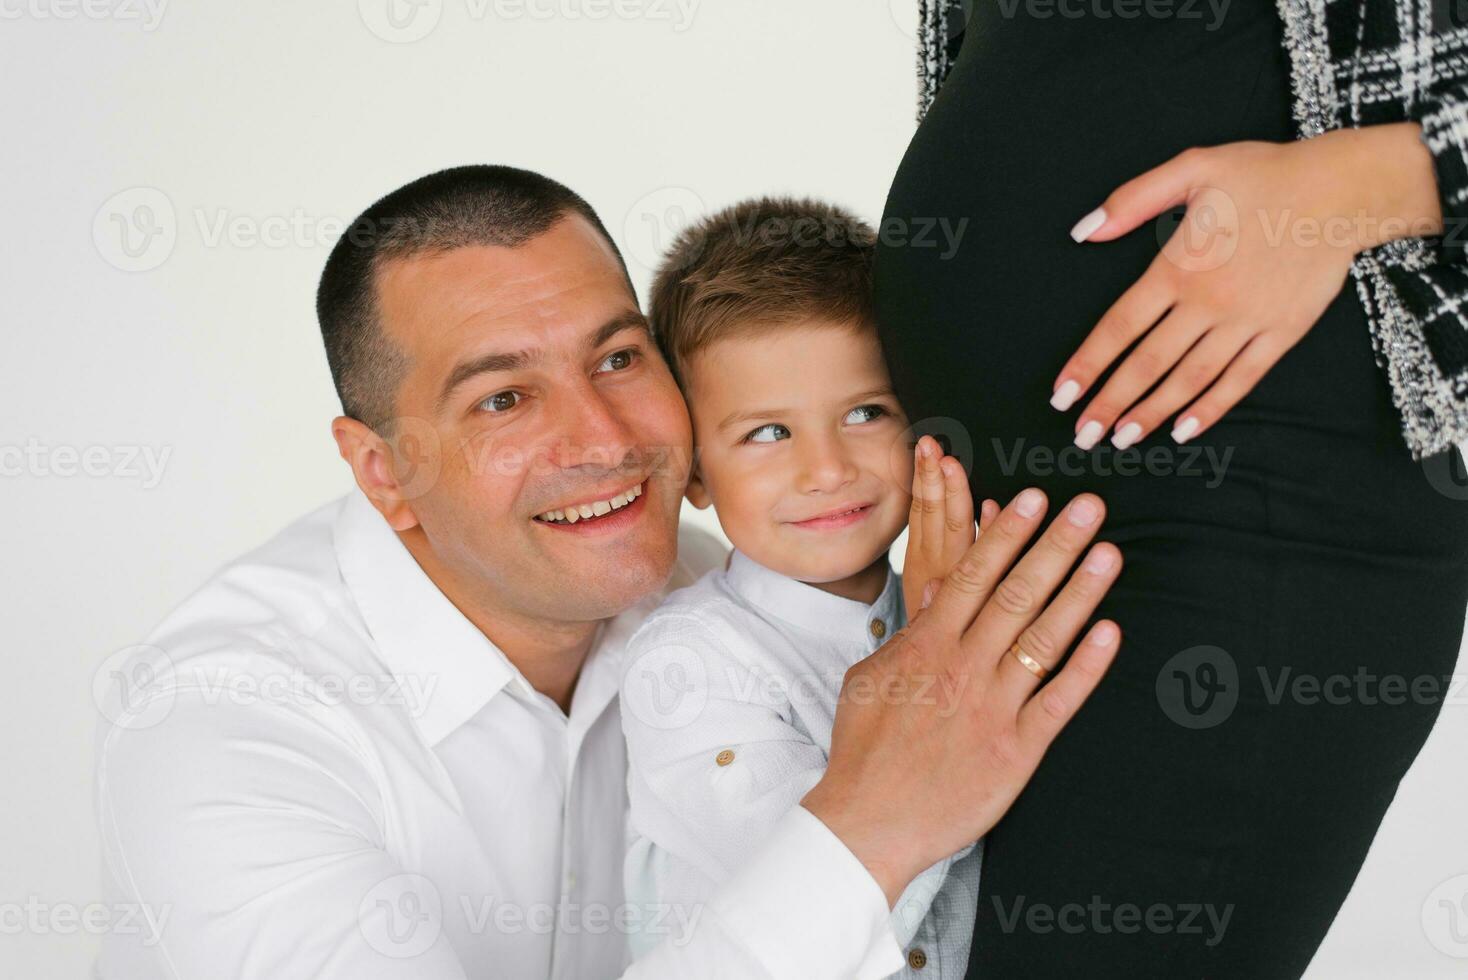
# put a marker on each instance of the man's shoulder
(277, 601)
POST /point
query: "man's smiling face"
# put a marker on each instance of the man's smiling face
(534, 390)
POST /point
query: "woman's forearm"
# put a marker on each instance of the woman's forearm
(1384, 177)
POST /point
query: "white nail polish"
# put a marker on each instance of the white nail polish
(1126, 435)
(1185, 429)
(1087, 226)
(1065, 396)
(1090, 433)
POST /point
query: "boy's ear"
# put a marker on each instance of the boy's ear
(696, 492)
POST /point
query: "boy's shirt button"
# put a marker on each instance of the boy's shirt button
(879, 628)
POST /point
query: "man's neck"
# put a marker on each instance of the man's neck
(549, 653)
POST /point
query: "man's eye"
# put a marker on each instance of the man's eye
(500, 401)
(619, 361)
(864, 413)
(773, 432)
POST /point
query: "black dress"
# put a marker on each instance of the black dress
(1207, 812)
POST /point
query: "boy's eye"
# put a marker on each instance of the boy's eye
(500, 401)
(773, 432)
(620, 360)
(864, 413)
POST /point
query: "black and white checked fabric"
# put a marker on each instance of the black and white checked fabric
(1363, 63)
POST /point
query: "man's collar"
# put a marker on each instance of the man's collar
(813, 609)
(448, 668)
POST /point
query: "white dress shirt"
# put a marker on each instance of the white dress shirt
(728, 700)
(317, 767)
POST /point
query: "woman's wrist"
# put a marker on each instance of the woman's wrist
(1383, 181)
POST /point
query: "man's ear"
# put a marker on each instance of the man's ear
(371, 459)
(696, 492)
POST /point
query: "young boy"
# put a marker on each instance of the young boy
(764, 313)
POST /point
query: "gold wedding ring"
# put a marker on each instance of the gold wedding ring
(1029, 663)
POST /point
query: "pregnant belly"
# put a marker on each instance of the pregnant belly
(1013, 152)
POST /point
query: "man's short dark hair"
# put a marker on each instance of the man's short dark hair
(454, 208)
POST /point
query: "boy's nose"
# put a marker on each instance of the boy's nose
(827, 468)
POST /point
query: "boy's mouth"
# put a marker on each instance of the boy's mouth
(836, 517)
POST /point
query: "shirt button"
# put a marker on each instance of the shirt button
(879, 628)
(725, 757)
(917, 959)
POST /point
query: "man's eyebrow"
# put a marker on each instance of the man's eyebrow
(630, 320)
(484, 364)
(497, 361)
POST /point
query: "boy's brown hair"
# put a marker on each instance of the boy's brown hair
(758, 265)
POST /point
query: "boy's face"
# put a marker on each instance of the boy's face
(801, 447)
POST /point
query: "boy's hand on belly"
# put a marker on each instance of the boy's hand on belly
(1268, 239)
(940, 525)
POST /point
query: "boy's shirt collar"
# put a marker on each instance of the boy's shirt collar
(816, 610)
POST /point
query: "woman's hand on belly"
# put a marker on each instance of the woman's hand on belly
(1268, 239)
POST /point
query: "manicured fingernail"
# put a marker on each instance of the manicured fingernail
(1126, 435)
(1029, 502)
(1185, 429)
(1103, 634)
(1065, 396)
(1089, 435)
(1087, 226)
(1099, 560)
(1083, 512)
(929, 590)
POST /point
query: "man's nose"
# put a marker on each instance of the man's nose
(826, 466)
(594, 431)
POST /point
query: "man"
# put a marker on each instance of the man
(386, 743)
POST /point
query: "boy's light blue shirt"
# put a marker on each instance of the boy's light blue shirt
(729, 694)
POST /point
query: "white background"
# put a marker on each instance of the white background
(247, 134)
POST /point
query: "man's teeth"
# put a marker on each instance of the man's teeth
(570, 515)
